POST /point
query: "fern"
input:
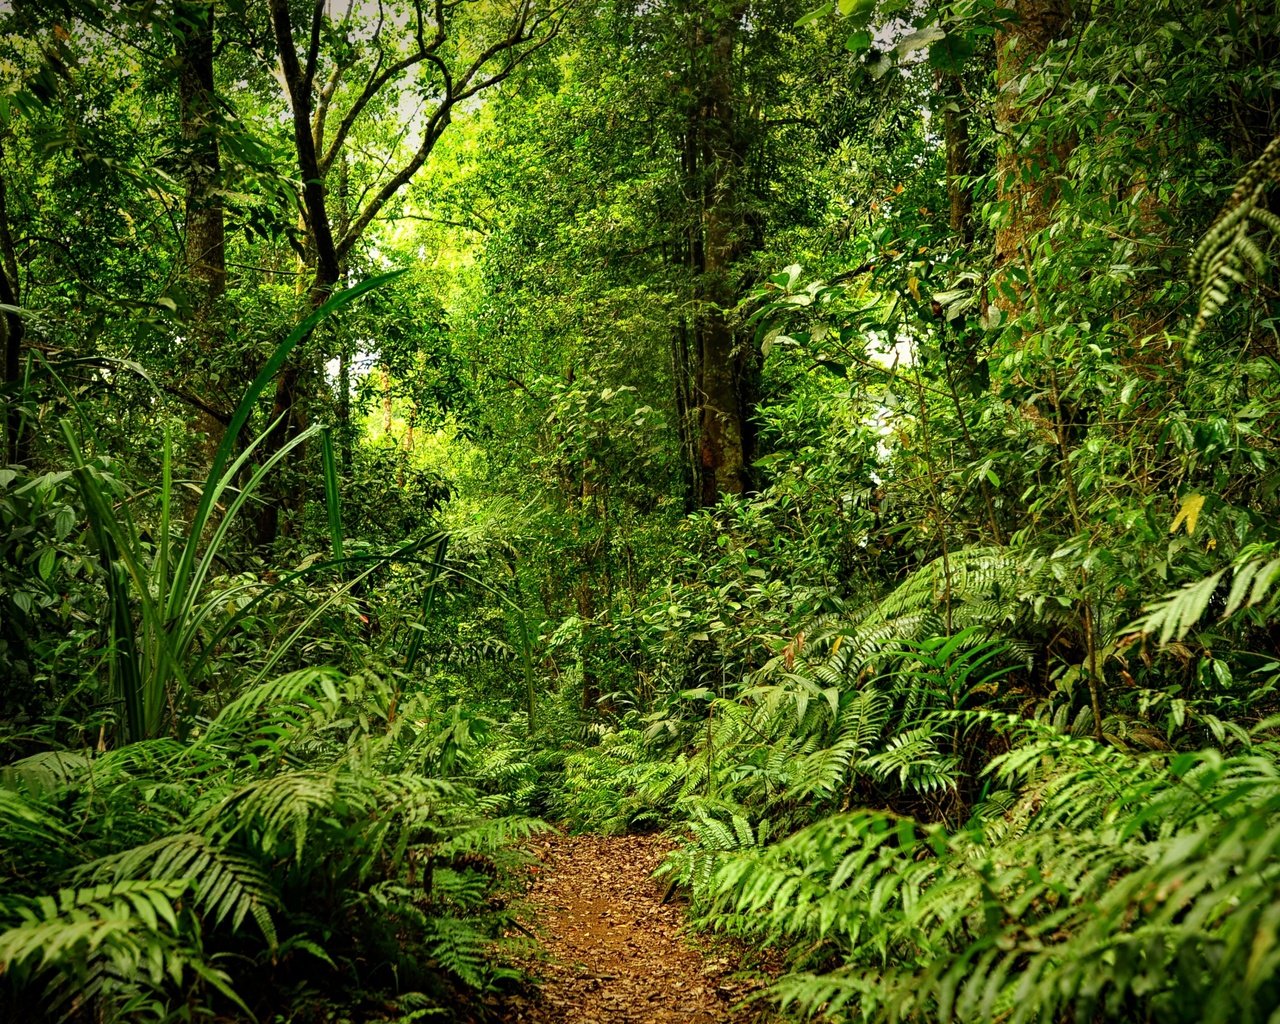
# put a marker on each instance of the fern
(43, 773)
(25, 821)
(109, 937)
(226, 885)
(1103, 884)
(991, 592)
(266, 718)
(462, 949)
(1254, 576)
(136, 869)
(1228, 249)
(913, 759)
(491, 835)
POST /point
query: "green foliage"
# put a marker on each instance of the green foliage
(299, 825)
(1253, 575)
(1101, 883)
(161, 584)
(1228, 248)
(966, 702)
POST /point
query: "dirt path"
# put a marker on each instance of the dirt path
(617, 955)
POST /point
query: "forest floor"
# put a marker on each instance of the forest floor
(616, 953)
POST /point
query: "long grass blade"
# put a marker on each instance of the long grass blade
(216, 481)
(119, 552)
(331, 494)
(428, 599)
(189, 600)
(261, 593)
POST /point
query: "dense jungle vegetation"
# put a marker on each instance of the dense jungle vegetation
(847, 437)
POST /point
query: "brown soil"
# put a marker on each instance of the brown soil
(616, 953)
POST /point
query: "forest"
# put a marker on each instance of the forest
(831, 450)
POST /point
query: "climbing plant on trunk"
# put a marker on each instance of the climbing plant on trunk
(715, 154)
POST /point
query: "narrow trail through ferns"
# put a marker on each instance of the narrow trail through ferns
(615, 951)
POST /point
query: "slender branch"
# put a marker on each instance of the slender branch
(435, 128)
(379, 77)
(196, 403)
(441, 117)
(313, 49)
(372, 86)
(312, 179)
(322, 108)
(484, 229)
(13, 326)
(1073, 501)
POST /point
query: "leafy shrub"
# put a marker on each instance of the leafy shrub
(1093, 882)
(300, 833)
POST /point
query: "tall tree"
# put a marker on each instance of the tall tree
(205, 231)
(1026, 164)
(449, 53)
(716, 151)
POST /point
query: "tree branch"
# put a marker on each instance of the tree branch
(464, 88)
(196, 403)
(435, 128)
(312, 180)
(313, 49)
(484, 229)
(322, 110)
(379, 78)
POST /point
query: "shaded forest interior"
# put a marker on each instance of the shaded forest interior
(839, 444)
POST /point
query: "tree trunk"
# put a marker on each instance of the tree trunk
(287, 412)
(317, 145)
(206, 268)
(686, 429)
(12, 330)
(723, 366)
(1024, 164)
(955, 130)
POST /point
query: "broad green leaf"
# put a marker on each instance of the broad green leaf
(858, 41)
(950, 53)
(919, 40)
(814, 15)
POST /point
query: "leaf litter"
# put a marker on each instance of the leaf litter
(614, 951)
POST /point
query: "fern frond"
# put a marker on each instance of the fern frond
(1218, 261)
(123, 923)
(45, 773)
(22, 820)
(226, 886)
(1108, 883)
(461, 948)
(1255, 574)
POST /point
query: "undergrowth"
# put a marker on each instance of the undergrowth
(320, 829)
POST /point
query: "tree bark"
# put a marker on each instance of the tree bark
(955, 130)
(723, 365)
(205, 249)
(1024, 164)
(686, 428)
